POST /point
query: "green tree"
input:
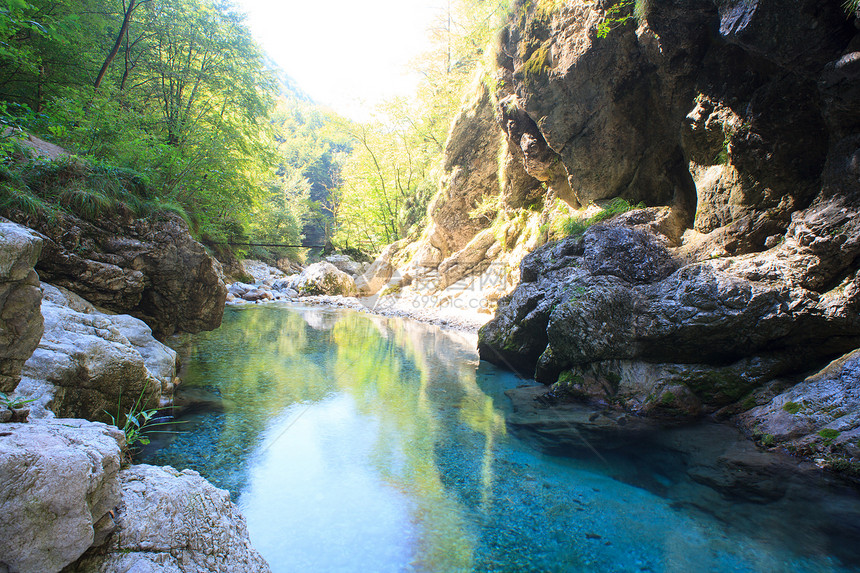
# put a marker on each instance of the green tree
(392, 174)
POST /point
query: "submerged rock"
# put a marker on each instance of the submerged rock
(559, 425)
(58, 489)
(176, 522)
(20, 298)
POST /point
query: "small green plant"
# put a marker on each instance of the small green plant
(14, 403)
(620, 14)
(393, 289)
(767, 439)
(576, 226)
(792, 407)
(137, 423)
(722, 157)
(667, 399)
(829, 435)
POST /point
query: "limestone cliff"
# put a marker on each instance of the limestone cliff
(737, 123)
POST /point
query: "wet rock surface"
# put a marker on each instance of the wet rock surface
(818, 417)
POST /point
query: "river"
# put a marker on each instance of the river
(360, 443)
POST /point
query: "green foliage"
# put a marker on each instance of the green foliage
(851, 5)
(792, 407)
(136, 423)
(14, 403)
(577, 226)
(619, 14)
(392, 173)
(87, 190)
(767, 440)
(186, 103)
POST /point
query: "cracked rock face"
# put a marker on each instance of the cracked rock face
(686, 342)
(738, 118)
(89, 364)
(174, 522)
(819, 417)
(58, 488)
(21, 322)
(150, 268)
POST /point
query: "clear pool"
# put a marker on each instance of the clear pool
(368, 444)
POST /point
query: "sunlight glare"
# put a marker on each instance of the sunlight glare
(345, 54)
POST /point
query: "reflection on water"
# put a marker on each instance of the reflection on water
(358, 443)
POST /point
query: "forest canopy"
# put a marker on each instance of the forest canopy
(178, 92)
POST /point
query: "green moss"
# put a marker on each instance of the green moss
(568, 377)
(767, 439)
(538, 63)
(844, 466)
(667, 398)
(792, 407)
(614, 378)
(829, 434)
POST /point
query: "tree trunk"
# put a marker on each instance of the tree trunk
(125, 22)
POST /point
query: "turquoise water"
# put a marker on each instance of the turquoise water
(367, 444)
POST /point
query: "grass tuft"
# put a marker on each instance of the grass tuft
(575, 226)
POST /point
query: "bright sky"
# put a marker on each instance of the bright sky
(346, 54)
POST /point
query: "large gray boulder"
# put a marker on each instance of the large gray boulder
(150, 268)
(607, 323)
(345, 264)
(174, 522)
(89, 363)
(324, 279)
(20, 298)
(58, 489)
